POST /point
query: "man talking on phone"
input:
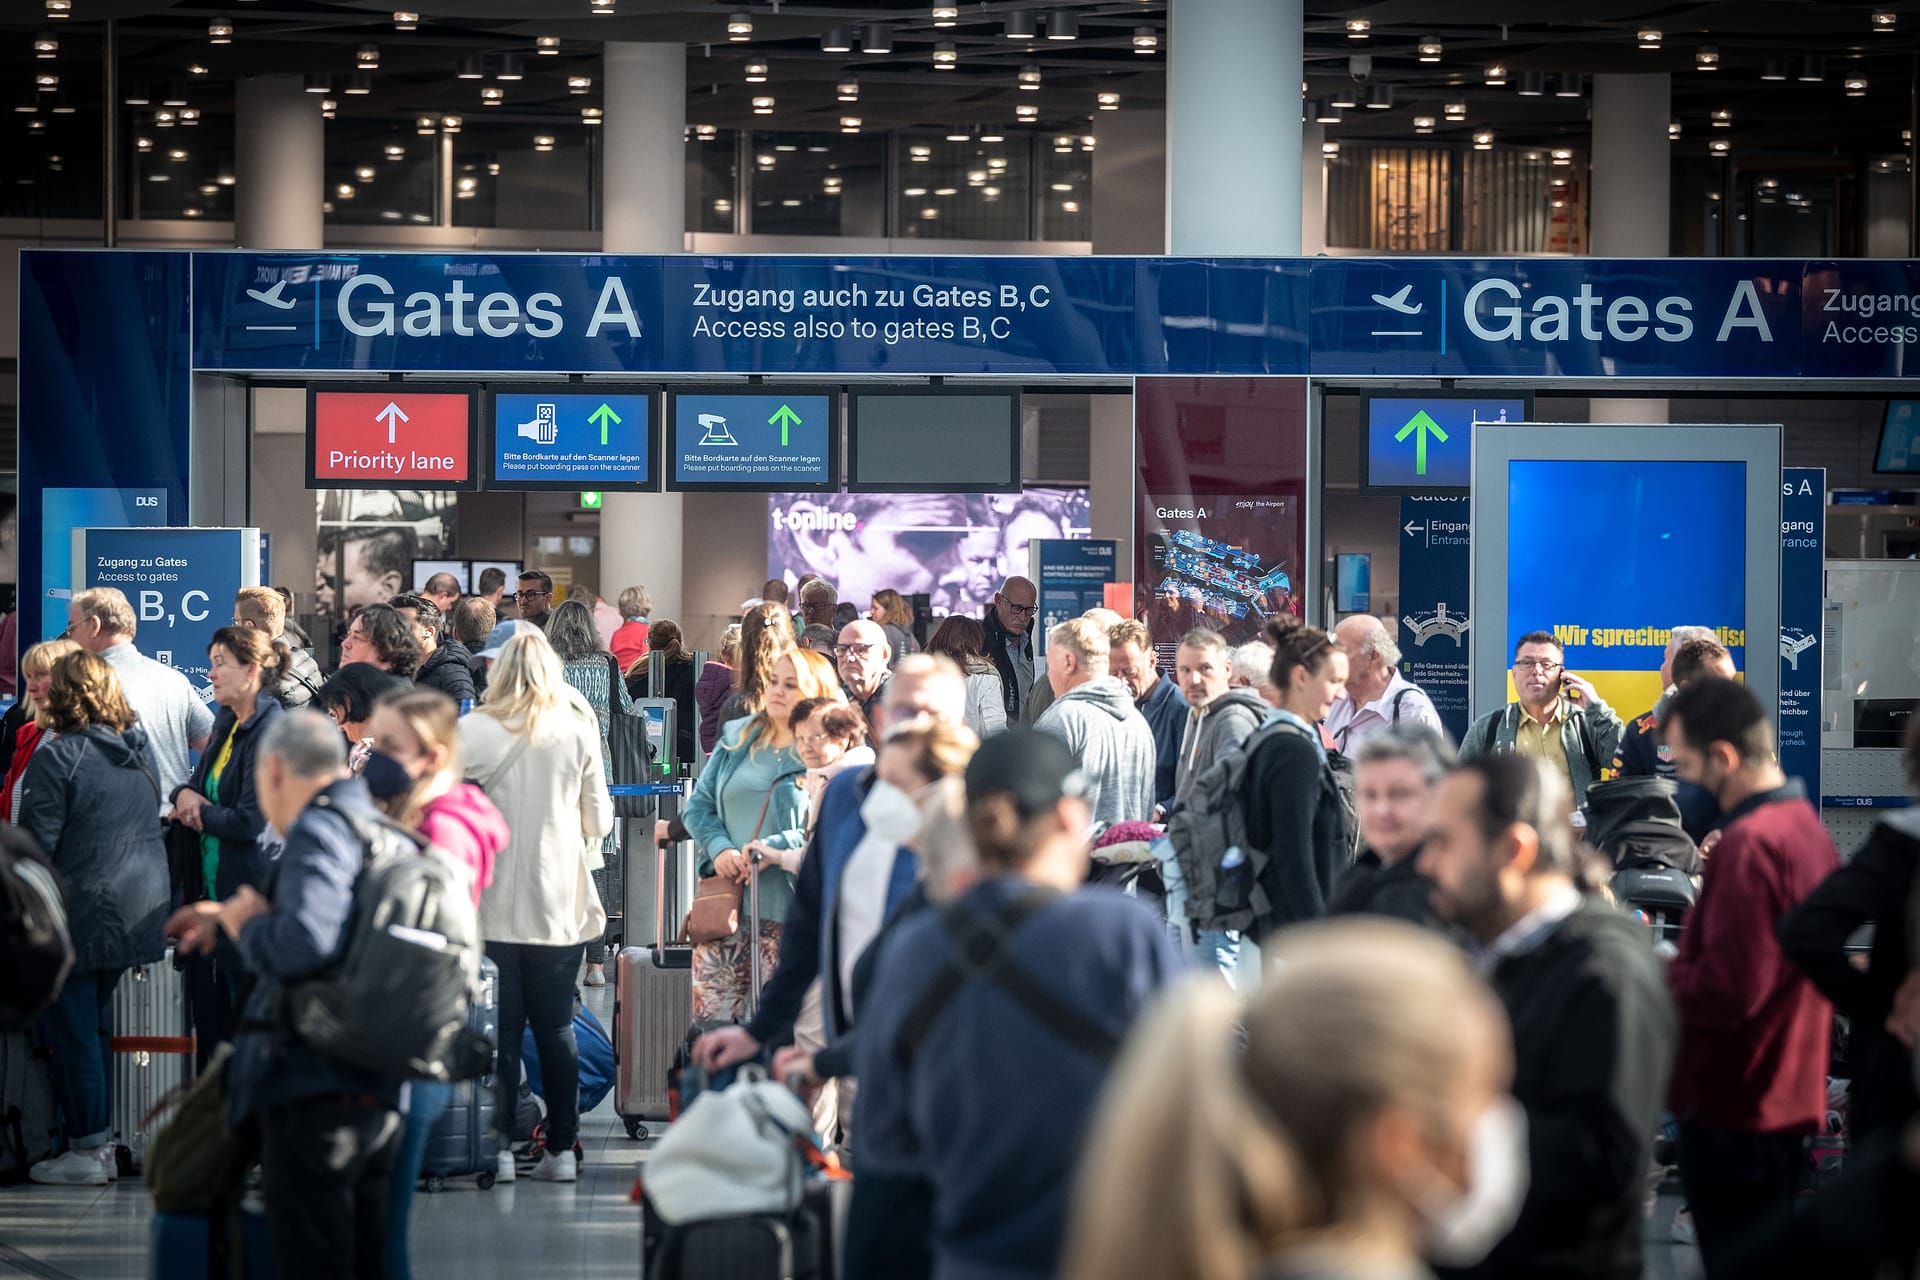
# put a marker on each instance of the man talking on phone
(1559, 719)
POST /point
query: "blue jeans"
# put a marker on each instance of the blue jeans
(426, 1102)
(79, 1026)
(1217, 949)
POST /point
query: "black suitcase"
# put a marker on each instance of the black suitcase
(796, 1247)
(464, 1141)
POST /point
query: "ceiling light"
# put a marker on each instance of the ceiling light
(189, 116)
(1358, 28)
(1088, 142)
(959, 135)
(138, 96)
(976, 177)
(1430, 49)
(766, 160)
(1812, 69)
(328, 108)
(450, 124)
(1027, 112)
(220, 31)
(360, 83)
(763, 106)
(45, 46)
(602, 7)
(997, 163)
(1020, 25)
(592, 115)
(723, 205)
(1773, 69)
(471, 69)
(364, 173)
(491, 95)
(543, 142)
(1454, 111)
(757, 71)
(1884, 23)
(739, 27)
(1673, 131)
(849, 124)
(876, 37)
(173, 96)
(59, 8)
(1320, 111)
(367, 56)
(920, 154)
(579, 84)
(1497, 75)
(1063, 24)
(1146, 40)
(405, 20)
(1329, 148)
(394, 151)
(424, 126)
(1722, 118)
(1108, 101)
(838, 40)
(945, 15)
(1345, 97)
(1423, 124)
(163, 120)
(467, 186)
(1533, 84)
(1030, 76)
(1483, 140)
(46, 81)
(1563, 155)
(196, 69)
(1572, 84)
(208, 189)
(993, 135)
(848, 90)
(1856, 86)
(946, 191)
(1706, 58)
(63, 107)
(143, 145)
(511, 68)
(945, 56)
(1379, 97)
(706, 132)
(1650, 38)
(547, 46)
(929, 213)
(176, 155)
(1720, 147)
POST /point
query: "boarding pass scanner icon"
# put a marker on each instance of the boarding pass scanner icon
(542, 429)
(715, 427)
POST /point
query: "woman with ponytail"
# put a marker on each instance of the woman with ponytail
(1294, 813)
(1360, 1127)
(766, 636)
(218, 847)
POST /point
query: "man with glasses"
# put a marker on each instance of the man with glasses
(535, 597)
(865, 660)
(817, 600)
(1009, 626)
(1559, 719)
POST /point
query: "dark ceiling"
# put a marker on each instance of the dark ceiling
(161, 41)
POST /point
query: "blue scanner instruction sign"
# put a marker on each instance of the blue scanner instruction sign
(573, 440)
(764, 441)
(1424, 443)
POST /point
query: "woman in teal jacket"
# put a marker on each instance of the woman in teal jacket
(752, 786)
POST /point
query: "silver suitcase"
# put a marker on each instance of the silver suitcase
(153, 1051)
(652, 1005)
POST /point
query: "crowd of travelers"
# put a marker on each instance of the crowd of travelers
(1095, 957)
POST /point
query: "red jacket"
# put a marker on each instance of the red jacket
(1754, 1033)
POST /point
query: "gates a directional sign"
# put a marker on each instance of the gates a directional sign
(574, 438)
(1424, 443)
(766, 440)
(378, 436)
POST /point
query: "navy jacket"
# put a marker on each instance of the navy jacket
(234, 816)
(312, 895)
(447, 669)
(1166, 711)
(90, 800)
(999, 642)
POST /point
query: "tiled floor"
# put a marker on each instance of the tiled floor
(588, 1231)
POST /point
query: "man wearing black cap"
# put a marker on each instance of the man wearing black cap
(1008, 1046)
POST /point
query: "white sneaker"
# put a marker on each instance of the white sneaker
(503, 1170)
(71, 1169)
(556, 1166)
(1683, 1232)
(596, 976)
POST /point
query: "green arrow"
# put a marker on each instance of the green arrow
(590, 500)
(784, 418)
(602, 416)
(1424, 425)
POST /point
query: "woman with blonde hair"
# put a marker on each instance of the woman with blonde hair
(752, 785)
(1363, 1129)
(766, 635)
(534, 745)
(21, 732)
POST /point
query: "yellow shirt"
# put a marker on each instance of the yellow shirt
(1538, 741)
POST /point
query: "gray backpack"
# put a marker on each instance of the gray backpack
(29, 1129)
(1209, 836)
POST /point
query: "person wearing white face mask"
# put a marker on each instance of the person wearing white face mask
(1362, 1129)
(1594, 1028)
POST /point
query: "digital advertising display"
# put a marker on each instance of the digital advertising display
(933, 440)
(1221, 561)
(423, 570)
(390, 435)
(1424, 443)
(572, 439)
(1899, 451)
(1353, 583)
(764, 441)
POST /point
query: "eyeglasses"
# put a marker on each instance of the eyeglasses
(852, 650)
(812, 739)
(1535, 664)
(1024, 610)
(530, 595)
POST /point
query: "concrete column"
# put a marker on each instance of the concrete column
(1114, 473)
(1630, 201)
(1130, 182)
(643, 211)
(1313, 189)
(1233, 149)
(279, 165)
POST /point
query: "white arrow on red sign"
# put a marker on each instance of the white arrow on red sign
(389, 415)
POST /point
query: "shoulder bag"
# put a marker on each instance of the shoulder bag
(715, 913)
(629, 759)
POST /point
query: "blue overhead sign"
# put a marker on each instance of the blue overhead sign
(763, 442)
(1425, 443)
(1803, 550)
(573, 440)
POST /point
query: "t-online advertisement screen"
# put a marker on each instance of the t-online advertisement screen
(1610, 556)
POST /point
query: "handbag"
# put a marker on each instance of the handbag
(735, 1152)
(196, 1162)
(715, 913)
(629, 757)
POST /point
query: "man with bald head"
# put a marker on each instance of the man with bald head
(1377, 695)
(864, 659)
(847, 885)
(1009, 626)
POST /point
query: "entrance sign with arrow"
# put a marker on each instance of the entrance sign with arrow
(389, 435)
(761, 439)
(583, 438)
(1424, 443)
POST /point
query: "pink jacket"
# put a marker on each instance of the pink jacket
(465, 824)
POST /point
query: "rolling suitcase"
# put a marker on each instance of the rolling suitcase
(153, 1052)
(464, 1141)
(652, 1008)
(798, 1246)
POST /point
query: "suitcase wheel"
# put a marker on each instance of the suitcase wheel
(434, 1182)
(637, 1130)
(486, 1181)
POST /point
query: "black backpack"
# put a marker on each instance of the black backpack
(36, 952)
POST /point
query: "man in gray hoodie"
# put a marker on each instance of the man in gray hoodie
(1222, 715)
(1093, 713)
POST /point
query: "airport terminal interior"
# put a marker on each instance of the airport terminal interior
(1541, 332)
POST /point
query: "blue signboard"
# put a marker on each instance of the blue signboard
(1424, 443)
(65, 510)
(1436, 562)
(1803, 550)
(180, 582)
(767, 441)
(1072, 577)
(573, 440)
